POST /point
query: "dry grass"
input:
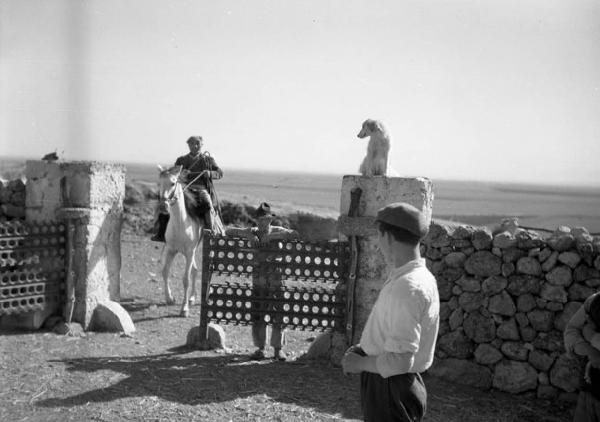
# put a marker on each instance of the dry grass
(150, 377)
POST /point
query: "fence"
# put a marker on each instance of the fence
(32, 266)
(302, 284)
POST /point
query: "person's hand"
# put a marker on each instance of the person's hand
(351, 363)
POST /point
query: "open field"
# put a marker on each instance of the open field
(478, 203)
(150, 377)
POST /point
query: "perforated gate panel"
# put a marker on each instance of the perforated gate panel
(32, 266)
(296, 284)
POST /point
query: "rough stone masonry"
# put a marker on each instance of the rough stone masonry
(505, 301)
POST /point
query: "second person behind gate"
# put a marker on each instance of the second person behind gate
(262, 235)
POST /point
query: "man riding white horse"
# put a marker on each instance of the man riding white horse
(200, 169)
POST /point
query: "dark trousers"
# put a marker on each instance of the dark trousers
(399, 398)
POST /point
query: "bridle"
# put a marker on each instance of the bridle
(171, 198)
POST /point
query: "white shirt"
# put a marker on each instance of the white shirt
(405, 317)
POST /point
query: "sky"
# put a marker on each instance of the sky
(470, 90)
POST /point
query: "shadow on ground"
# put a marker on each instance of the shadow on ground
(204, 380)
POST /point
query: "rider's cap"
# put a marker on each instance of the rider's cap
(404, 216)
(192, 139)
(263, 209)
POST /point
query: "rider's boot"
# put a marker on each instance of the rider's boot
(160, 227)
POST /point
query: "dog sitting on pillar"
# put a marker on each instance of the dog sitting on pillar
(375, 162)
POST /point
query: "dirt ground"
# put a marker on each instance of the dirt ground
(151, 377)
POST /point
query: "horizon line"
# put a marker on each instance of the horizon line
(580, 184)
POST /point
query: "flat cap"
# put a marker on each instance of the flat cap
(194, 139)
(262, 210)
(404, 216)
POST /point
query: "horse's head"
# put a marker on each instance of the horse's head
(167, 187)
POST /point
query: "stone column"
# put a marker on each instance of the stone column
(377, 192)
(92, 198)
(88, 197)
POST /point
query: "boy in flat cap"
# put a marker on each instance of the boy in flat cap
(199, 170)
(262, 235)
(398, 340)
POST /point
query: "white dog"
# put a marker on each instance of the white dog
(375, 162)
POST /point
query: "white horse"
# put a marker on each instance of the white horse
(183, 235)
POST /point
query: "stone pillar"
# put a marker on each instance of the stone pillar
(88, 196)
(92, 198)
(43, 191)
(377, 192)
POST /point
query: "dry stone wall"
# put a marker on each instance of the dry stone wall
(505, 301)
(12, 199)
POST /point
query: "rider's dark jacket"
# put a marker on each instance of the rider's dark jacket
(196, 165)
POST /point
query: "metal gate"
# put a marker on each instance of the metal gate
(305, 284)
(32, 266)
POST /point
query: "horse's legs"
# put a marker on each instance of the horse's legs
(168, 260)
(189, 265)
(193, 275)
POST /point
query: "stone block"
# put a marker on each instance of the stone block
(479, 328)
(483, 264)
(508, 330)
(514, 377)
(570, 259)
(530, 266)
(502, 304)
(482, 239)
(216, 338)
(469, 284)
(553, 293)
(462, 372)
(513, 254)
(487, 354)
(578, 292)
(110, 316)
(456, 344)
(515, 350)
(378, 191)
(471, 301)
(550, 262)
(319, 348)
(504, 240)
(565, 373)
(493, 285)
(541, 320)
(560, 276)
(455, 259)
(584, 272)
(520, 284)
(525, 302)
(541, 361)
(43, 190)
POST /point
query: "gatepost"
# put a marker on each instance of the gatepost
(88, 196)
(375, 193)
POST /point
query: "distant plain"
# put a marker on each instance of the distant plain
(472, 202)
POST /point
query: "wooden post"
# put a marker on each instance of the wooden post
(203, 342)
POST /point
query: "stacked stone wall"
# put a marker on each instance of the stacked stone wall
(12, 199)
(505, 301)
